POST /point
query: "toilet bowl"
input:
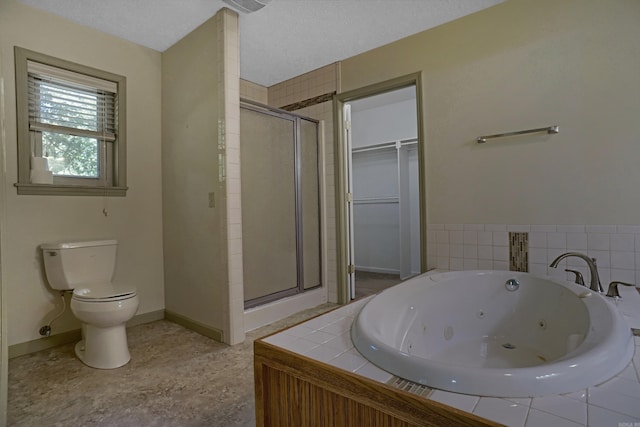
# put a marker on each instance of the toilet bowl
(104, 335)
(103, 308)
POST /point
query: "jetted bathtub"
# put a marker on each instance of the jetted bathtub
(471, 332)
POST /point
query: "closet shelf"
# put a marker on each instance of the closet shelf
(385, 145)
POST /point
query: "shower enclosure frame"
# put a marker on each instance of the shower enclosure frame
(296, 120)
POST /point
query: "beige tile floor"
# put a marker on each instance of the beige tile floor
(176, 378)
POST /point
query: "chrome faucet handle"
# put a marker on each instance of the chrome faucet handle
(578, 279)
(613, 288)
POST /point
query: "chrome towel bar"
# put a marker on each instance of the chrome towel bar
(549, 129)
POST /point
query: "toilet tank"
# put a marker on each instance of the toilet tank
(75, 264)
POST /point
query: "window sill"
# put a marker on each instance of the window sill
(69, 190)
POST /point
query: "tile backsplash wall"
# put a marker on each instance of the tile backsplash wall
(518, 251)
(486, 246)
(309, 85)
(253, 92)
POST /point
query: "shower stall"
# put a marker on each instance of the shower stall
(279, 154)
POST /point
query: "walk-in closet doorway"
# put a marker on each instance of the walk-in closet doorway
(383, 203)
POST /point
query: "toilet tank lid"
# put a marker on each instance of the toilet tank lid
(73, 245)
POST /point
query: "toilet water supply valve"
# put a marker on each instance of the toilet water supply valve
(45, 331)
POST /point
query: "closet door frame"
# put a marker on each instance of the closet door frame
(342, 229)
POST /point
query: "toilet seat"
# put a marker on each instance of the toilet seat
(104, 293)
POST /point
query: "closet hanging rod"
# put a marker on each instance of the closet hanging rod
(376, 200)
(548, 129)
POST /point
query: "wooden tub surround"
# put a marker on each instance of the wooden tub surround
(311, 374)
(294, 390)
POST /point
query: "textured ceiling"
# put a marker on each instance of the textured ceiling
(284, 39)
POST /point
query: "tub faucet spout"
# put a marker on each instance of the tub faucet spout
(591, 263)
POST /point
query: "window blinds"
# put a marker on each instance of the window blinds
(71, 103)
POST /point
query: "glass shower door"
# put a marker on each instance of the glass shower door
(268, 175)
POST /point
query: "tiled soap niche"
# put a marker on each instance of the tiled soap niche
(533, 247)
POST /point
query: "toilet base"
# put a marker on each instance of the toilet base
(103, 348)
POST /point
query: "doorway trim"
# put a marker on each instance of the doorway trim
(414, 79)
(4, 346)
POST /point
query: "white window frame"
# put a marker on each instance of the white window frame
(112, 179)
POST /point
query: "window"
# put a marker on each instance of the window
(71, 127)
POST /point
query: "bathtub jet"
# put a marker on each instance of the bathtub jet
(464, 332)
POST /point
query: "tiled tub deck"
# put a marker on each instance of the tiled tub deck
(614, 403)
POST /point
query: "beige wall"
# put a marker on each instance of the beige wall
(135, 220)
(200, 131)
(195, 252)
(519, 65)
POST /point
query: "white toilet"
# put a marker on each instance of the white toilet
(103, 307)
